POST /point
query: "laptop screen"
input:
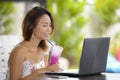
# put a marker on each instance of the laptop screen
(94, 55)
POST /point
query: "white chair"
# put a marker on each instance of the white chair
(7, 43)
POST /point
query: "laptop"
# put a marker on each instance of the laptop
(93, 58)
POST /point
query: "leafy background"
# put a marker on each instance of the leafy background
(6, 9)
(70, 22)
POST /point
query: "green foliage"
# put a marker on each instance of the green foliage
(68, 24)
(115, 43)
(106, 11)
(6, 9)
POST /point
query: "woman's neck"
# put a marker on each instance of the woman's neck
(34, 42)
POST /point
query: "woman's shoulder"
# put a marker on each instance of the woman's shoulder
(17, 54)
(18, 50)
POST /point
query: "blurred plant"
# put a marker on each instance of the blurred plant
(116, 43)
(6, 9)
(68, 21)
(106, 11)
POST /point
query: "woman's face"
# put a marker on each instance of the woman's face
(43, 29)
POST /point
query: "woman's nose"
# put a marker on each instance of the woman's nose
(49, 29)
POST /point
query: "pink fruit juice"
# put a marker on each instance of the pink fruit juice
(55, 54)
(54, 59)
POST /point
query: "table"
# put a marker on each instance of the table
(103, 76)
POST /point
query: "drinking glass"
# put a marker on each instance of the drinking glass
(55, 54)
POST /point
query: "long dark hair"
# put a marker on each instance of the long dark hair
(30, 22)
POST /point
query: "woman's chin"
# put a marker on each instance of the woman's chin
(47, 38)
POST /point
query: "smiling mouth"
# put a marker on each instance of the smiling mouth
(47, 34)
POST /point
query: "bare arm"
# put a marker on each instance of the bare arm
(16, 60)
(15, 63)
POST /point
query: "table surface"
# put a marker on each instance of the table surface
(103, 76)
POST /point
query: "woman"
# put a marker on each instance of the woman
(30, 57)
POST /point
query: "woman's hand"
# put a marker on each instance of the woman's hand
(54, 68)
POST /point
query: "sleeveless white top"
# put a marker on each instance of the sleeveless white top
(29, 67)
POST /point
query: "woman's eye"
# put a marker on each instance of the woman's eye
(44, 25)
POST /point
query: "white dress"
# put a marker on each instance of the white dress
(29, 67)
